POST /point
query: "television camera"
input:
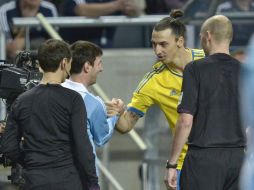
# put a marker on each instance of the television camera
(15, 79)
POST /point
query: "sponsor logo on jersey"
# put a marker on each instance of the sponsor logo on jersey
(173, 92)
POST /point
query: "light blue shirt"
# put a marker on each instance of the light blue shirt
(99, 127)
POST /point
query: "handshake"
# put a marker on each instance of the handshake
(115, 107)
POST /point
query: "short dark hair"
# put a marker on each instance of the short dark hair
(82, 52)
(172, 22)
(51, 53)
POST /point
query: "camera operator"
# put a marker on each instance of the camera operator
(56, 152)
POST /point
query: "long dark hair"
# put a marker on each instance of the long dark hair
(172, 22)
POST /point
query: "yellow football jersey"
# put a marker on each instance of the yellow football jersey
(162, 86)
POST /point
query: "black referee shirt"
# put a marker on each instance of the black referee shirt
(210, 94)
(52, 120)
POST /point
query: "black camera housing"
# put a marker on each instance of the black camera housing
(19, 77)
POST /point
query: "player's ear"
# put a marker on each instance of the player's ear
(180, 42)
(208, 35)
(86, 67)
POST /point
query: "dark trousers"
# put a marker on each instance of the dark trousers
(53, 179)
(211, 169)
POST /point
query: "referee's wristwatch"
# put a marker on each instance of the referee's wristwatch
(168, 165)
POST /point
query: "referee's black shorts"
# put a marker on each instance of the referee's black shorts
(64, 178)
(211, 169)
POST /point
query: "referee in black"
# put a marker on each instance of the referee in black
(56, 152)
(209, 116)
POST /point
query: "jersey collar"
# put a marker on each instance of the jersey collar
(76, 86)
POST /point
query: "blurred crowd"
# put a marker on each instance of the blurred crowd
(104, 36)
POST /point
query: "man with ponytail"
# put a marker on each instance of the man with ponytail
(161, 86)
